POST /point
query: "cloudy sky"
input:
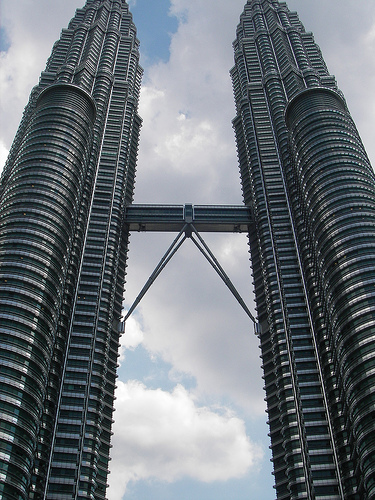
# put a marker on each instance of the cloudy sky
(190, 420)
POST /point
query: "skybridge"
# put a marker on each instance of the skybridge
(189, 221)
(204, 218)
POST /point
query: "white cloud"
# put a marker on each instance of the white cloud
(131, 338)
(3, 155)
(166, 436)
(192, 321)
(189, 159)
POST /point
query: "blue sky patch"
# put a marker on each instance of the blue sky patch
(154, 29)
(4, 40)
(154, 373)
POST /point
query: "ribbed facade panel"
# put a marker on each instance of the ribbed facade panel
(39, 215)
(337, 195)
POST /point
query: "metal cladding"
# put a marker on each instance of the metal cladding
(63, 247)
(308, 180)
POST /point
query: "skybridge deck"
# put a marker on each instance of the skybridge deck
(204, 218)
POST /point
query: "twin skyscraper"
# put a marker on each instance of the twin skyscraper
(64, 192)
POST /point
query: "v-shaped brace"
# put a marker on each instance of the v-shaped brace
(189, 231)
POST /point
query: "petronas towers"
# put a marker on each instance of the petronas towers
(63, 244)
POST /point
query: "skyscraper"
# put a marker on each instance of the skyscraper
(69, 174)
(63, 247)
(308, 180)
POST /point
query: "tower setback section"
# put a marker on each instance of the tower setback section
(311, 188)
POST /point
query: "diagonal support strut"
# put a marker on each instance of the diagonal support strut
(177, 242)
(205, 250)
